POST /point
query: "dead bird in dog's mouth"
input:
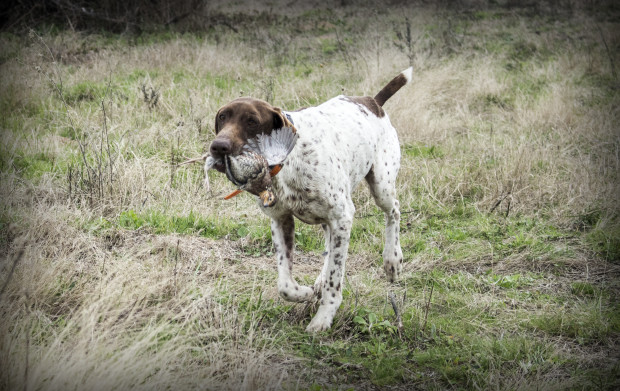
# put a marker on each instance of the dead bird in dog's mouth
(261, 158)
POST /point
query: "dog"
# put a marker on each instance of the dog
(340, 142)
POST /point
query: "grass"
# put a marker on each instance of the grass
(119, 270)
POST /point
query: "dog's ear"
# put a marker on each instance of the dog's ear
(217, 125)
(278, 118)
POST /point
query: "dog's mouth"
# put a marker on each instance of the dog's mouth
(217, 163)
(219, 160)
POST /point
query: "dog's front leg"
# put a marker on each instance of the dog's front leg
(283, 237)
(333, 274)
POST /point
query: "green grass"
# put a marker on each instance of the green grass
(606, 242)
(158, 222)
(422, 151)
(366, 346)
(509, 219)
(85, 92)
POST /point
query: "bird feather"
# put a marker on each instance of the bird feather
(274, 147)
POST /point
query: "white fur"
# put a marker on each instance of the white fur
(340, 143)
(408, 73)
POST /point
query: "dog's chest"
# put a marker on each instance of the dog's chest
(307, 190)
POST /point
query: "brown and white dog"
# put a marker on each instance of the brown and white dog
(341, 142)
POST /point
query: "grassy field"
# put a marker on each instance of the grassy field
(119, 270)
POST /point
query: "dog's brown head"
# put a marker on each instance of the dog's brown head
(240, 120)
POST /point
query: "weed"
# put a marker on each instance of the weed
(507, 186)
(606, 242)
(33, 166)
(150, 96)
(84, 91)
(582, 289)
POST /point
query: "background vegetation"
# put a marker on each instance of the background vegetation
(120, 270)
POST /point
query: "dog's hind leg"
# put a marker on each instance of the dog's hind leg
(382, 180)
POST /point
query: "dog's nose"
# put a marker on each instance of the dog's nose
(220, 147)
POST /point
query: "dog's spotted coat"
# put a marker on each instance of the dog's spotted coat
(341, 142)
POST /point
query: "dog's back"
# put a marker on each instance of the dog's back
(342, 138)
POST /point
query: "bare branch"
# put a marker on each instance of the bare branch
(16, 260)
(399, 320)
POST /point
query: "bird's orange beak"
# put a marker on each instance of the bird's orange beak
(234, 193)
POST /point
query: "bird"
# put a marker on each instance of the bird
(250, 172)
(261, 158)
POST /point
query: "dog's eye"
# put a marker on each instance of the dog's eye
(251, 121)
(222, 117)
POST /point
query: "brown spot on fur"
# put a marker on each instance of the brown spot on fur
(369, 103)
(288, 228)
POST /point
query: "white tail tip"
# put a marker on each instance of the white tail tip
(408, 73)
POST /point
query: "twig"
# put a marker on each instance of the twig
(27, 359)
(96, 171)
(70, 178)
(16, 260)
(103, 265)
(404, 212)
(172, 164)
(195, 160)
(343, 49)
(499, 201)
(508, 207)
(178, 18)
(227, 24)
(406, 44)
(611, 59)
(89, 13)
(176, 260)
(107, 140)
(201, 159)
(399, 320)
(427, 306)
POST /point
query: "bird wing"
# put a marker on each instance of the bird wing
(274, 147)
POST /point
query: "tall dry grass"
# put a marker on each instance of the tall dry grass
(150, 313)
(88, 299)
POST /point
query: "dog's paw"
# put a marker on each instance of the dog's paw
(296, 293)
(393, 264)
(323, 319)
(318, 325)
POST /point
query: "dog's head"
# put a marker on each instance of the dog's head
(240, 120)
